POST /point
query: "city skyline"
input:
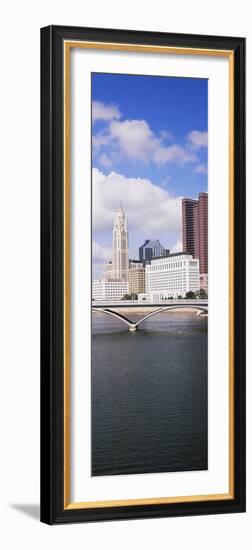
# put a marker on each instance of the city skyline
(149, 150)
(158, 276)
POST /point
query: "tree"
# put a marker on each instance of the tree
(190, 295)
(202, 293)
(126, 297)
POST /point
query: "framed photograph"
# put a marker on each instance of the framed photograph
(142, 274)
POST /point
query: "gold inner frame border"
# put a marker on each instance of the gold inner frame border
(68, 45)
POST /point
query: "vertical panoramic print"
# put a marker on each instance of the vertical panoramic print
(149, 405)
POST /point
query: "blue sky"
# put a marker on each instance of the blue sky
(149, 150)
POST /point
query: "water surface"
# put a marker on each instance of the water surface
(149, 394)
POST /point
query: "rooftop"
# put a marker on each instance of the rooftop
(171, 256)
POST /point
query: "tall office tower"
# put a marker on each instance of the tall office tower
(190, 226)
(203, 232)
(152, 249)
(195, 231)
(120, 249)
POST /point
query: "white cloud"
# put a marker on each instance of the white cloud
(104, 160)
(100, 139)
(197, 139)
(174, 153)
(134, 140)
(165, 135)
(103, 111)
(151, 211)
(178, 247)
(100, 254)
(201, 169)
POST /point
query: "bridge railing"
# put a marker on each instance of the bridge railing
(141, 303)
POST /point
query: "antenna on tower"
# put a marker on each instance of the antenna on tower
(121, 206)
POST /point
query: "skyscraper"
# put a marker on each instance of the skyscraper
(203, 232)
(120, 248)
(195, 232)
(152, 249)
(190, 226)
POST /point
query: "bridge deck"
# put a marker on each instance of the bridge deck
(136, 303)
(112, 309)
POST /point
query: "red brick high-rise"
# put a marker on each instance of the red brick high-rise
(190, 226)
(203, 232)
(195, 232)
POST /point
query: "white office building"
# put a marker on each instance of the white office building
(110, 291)
(171, 276)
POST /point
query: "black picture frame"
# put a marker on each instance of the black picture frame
(52, 276)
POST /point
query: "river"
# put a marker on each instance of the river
(149, 394)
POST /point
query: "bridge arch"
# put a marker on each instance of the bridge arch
(134, 325)
(112, 313)
(202, 309)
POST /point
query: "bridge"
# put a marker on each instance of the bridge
(110, 308)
